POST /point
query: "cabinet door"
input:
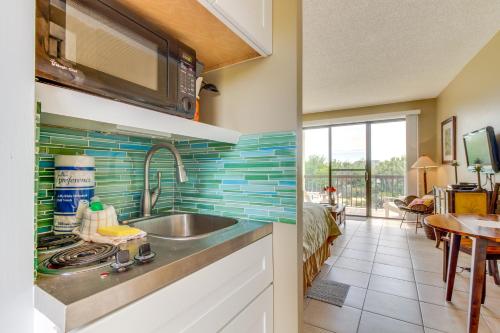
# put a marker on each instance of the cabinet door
(252, 20)
(256, 318)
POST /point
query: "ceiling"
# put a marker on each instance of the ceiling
(365, 52)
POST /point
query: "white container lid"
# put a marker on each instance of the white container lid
(74, 160)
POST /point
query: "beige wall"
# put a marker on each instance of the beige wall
(427, 119)
(259, 95)
(474, 98)
(263, 96)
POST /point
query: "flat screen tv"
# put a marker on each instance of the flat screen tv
(481, 148)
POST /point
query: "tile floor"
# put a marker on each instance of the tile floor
(396, 285)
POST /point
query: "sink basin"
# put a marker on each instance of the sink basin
(182, 226)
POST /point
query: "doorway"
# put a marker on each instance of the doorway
(365, 162)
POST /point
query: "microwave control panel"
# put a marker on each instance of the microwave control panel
(187, 83)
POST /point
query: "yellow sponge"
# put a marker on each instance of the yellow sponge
(118, 231)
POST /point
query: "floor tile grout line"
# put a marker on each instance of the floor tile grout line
(418, 294)
(369, 279)
(361, 310)
(393, 278)
(343, 249)
(394, 318)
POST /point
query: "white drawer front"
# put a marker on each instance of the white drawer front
(204, 301)
(256, 318)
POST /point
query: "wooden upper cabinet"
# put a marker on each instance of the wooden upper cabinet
(252, 20)
(222, 32)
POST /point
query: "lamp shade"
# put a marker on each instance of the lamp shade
(424, 162)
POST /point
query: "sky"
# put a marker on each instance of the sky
(349, 141)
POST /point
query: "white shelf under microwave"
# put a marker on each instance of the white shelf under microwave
(71, 108)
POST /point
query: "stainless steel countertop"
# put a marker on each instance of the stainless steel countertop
(84, 297)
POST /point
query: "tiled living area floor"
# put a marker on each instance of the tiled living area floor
(396, 285)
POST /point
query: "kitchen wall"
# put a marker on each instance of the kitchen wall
(264, 95)
(474, 98)
(253, 179)
(17, 151)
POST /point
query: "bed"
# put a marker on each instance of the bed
(319, 230)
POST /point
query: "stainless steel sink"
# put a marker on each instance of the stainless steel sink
(182, 226)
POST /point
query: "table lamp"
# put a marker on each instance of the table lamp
(424, 162)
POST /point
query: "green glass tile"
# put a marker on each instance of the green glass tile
(285, 176)
(207, 186)
(263, 182)
(251, 165)
(287, 164)
(210, 181)
(201, 195)
(219, 144)
(257, 177)
(289, 201)
(276, 140)
(62, 130)
(141, 139)
(66, 141)
(203, 156)
(103, 144)
(262, 218)
(65, 151)
(287, 220)
(204, 206)
(43, 230)
(229, 209)
(285, 152)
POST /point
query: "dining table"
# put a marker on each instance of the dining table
(484, 231)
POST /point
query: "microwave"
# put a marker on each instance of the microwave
(91, 46)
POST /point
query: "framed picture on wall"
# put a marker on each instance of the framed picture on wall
(449, 140)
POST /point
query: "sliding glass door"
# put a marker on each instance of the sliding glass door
(316, 163)
(365, 162)
(349, 173)
(388, 166)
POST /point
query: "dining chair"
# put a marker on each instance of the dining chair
(492, 252)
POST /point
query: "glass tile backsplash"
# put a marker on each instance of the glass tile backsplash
(255, 178)
(119, 170)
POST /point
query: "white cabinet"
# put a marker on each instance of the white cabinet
(256, 318)
(252, 20)
(233, 294)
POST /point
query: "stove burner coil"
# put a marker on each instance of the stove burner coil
(83, 255)
(49, 242)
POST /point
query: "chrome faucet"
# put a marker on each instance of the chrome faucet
(150, 197)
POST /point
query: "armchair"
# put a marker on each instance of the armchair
(421, 210)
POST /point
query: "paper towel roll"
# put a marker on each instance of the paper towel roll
(73, 182)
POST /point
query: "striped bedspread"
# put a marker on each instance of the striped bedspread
(318, 226)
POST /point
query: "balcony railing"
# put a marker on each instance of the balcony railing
(351, 189)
